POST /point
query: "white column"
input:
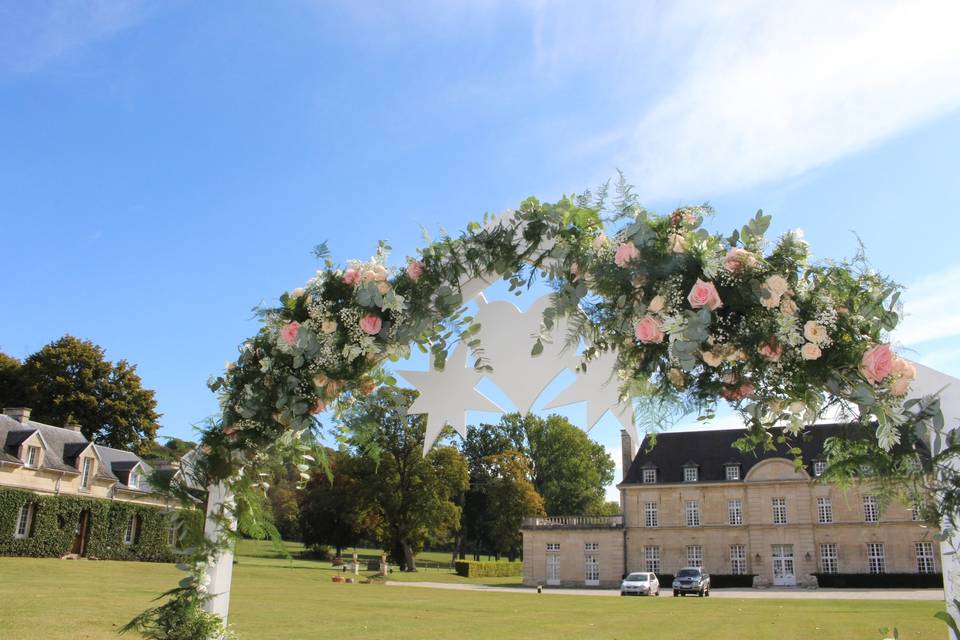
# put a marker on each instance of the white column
(930, 381)
(220, 569)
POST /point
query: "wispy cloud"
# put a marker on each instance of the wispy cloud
(931, 309)
(770, 90)
(33, 34)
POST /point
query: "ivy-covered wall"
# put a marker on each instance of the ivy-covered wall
(56, 519)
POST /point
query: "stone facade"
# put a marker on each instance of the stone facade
(770, 519)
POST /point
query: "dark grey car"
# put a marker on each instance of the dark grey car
(691, 580)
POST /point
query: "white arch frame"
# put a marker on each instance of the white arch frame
(219, 573)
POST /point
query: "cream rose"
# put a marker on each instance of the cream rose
(711, 358)
(600, 242)
(383, 287)
(776, 284)
(788, 307)
(328, 326)
(675, 376)
(901, 386)
(810, 351)
(815, 332)
(657, 304)
(677, 243)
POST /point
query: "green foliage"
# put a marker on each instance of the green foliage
(334, 506)
(411, 494)
(509, 497)
(70, 382)
(11, 385)
(477, 569)
(56, 519)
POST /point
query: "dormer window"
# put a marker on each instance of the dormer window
(819, 466)
(86, 474)
(136, 479)
(33, 457)
(690, 473)
(649, 476)
(732, 471)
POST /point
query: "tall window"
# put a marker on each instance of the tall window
(733, 472)
(695, 555)
(130, 535)
(876, 561)
(779, 511)
(651, 559)
(925, 563)
(819, 466)
(824, 511)
(828, 557)
(24, 520)
(689, 474)
(693, 513)
(738, 559)
(591, 563)
(87, 471)
(33, 456)
(650, 518)
(871, 512)
(649, 476)
(735, 512)
(553, 563)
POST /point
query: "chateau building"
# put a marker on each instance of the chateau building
(42, 465)
(695, 501)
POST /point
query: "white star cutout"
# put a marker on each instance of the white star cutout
(447, 395)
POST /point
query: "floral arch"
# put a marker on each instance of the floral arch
(689, 317)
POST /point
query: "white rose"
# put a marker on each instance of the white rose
(797, 406)
(296, 293)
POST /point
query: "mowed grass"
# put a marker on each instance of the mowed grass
(278, 599)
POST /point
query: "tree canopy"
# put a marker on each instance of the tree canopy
(69, 381)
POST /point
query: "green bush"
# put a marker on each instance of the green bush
(880, 581)
(56, 519)
(474, 569)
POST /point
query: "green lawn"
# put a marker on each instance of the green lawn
(278, 599)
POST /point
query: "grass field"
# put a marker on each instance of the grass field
(278, 599)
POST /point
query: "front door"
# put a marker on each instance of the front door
(783, 571)
(553, 568)
(82, 534)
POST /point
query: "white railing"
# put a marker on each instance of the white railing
(573, 522)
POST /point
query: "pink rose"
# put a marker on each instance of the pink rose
(771, 351)
(877, 363)
(738, 259)
(704, 294)
(648, 330)
(625, 253)
(371, 324)
(415, 269)
(351, 277)
(289, 332)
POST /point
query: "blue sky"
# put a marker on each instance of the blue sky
(166, 166)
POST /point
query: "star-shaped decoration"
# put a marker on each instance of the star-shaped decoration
(599, 389)
(447, 395)
(507, 337)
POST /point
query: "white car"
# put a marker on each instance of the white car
(640, 584)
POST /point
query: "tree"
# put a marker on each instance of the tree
(334, 509)
(570, 470)
(11, 385)
(510, 496)
(70, 381)
(412, 493)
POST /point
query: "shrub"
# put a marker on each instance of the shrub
(880, 581)
(474, 569)
(56, 518)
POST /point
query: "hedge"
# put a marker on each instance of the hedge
(717, 580)
(56, 519)
(474, 569)
(880, 580)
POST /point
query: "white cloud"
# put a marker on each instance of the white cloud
(35, 33)
(773, 90)
(931, 309)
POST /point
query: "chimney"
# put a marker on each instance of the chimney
(73, 427)
(628, 451)
(20, 414)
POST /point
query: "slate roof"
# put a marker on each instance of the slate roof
(62, 446)
(711, 450)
